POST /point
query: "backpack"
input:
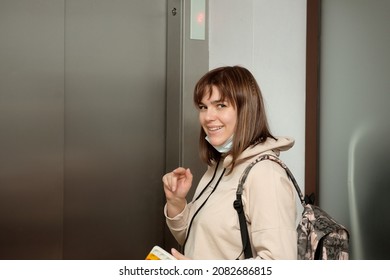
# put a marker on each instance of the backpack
(320, 237)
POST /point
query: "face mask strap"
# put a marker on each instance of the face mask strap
(225, 147)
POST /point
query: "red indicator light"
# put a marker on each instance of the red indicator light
(200, 18)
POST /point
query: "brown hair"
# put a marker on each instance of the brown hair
(237, 86)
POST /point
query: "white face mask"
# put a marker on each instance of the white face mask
(225, 147)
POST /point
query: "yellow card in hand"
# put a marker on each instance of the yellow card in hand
(158, 253)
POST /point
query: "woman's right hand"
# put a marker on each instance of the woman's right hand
(176, 186)
(178, 255)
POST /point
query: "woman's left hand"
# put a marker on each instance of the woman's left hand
(178, 255)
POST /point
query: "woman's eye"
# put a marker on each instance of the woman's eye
(221, 105)
(202, 107)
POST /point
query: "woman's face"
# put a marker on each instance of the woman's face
(218, 118)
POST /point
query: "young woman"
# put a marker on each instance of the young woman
(234, 132)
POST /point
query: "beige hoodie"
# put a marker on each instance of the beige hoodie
(269, 200)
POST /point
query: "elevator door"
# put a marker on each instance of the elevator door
(82, 128)
(354, 121)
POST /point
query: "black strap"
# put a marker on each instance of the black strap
(246, 244)
(204, 202)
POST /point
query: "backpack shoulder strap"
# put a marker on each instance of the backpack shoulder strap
(244, 175)
(238, 202)
(246, 244)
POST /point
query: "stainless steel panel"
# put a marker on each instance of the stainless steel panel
(114, 128)
(196, 64)
(174, 143)
(368, 168)
(187, 60)
(174, 99)
(354, 126)
(82, 128)
(31, 128)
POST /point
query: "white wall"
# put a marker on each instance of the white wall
(269, 38)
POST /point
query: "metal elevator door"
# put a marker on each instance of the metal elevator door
(354, 122)
(82, 128)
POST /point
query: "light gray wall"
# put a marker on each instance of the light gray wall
(269, 38)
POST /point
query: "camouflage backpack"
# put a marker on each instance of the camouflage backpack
(320, 237)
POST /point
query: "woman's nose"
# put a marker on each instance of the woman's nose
(210, 114)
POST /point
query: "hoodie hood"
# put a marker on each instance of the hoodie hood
(269, 146)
